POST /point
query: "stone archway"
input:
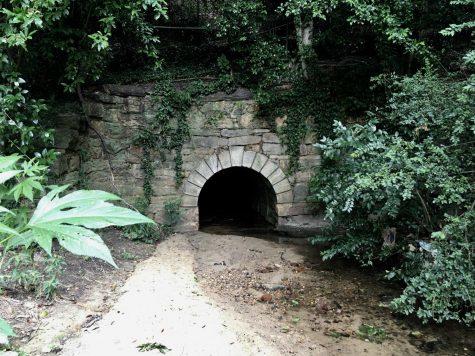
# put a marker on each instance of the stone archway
(234, 157)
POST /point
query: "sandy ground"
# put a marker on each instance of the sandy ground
(163, 303)
(210, 294)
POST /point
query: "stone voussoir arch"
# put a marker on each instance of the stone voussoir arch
(237, 157)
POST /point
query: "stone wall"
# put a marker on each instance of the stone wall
(225, 132)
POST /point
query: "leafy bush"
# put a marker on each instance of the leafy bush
(33, 276)
(152, 233)
(400, 188)
(172, 212)
(70, 219)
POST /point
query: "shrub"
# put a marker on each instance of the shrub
(400, 188)
(152, 233)
(69, 219)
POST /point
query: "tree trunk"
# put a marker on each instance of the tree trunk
(304, 31)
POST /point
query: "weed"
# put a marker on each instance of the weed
(150, 346)
(127, 255)
(372, 333)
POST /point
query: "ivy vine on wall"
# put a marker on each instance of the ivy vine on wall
(169, 130)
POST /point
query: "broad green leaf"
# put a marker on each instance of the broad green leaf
(5, 330)
(4, 229)
(50, 202)
(69, 219)
(24, 239)
(5, 210)
(99, 215)
(4, 176)
(44, 239)
(8, 161)
(82, 241)
(25, 188)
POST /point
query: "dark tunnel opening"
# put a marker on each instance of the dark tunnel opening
(237, 197)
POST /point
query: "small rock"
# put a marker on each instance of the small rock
(273, 287)
(415, 334)
(265, 298)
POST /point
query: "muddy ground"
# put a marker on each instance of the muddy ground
(213, 294)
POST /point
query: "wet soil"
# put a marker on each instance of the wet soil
(307, 306)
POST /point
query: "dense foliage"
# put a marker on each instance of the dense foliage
(72, 42)
(69, 219)
(410, 168)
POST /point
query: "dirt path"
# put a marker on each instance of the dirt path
(210, 294)
(162, 303)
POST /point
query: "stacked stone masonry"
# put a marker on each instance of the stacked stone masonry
(225, 132)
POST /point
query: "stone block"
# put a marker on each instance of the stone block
(63, 137)
(255, 148)
(190, 214)
(270, 138)
(303, 176)
(93, 109)
(268, 168)
(235, 132)
(307, 162)
(73, 163)
(237, 111)
(136, 171)
(209, 141)
(260, 131)
(60, 166)
(273, 149)
(97, 165)
(196, 119)
(163, 180)
(204, 170)
(165, 172)
(299, 209)
(205, 132)
(191, 189)
(306, 150)
(132, 105)
(246, 120)
(236, 153)
(285, 197)
(300, 192)
(212, 162)
(277, 176)
(125, 90)
(197, 179)
(283, 209)
(282, 186)
(189, 201)
(244, 140)
(165, 190)
(259, 162)
(248, 158)
(220, 167)
(225, 159)
(117, 145)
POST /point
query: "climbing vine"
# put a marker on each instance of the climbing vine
(311, 107)
(169, 129)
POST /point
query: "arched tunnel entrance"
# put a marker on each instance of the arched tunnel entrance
(237, 197)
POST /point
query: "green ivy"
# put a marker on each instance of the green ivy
(169, 130)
